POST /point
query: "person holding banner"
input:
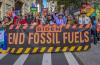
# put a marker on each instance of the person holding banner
(83, 19)
(43, 19)
(16, 20)
(70, 20)
(60, 19)
(29, 18)
(98, 30)
(6, 21)
(50, 20)
(19, 20)
(36, 21)
(23, 21)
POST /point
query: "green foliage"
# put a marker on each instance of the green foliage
(67, 3)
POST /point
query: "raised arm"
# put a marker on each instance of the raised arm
(55, 17)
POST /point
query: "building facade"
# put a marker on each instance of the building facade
(52, 6)
(5, 6)
(20, 6)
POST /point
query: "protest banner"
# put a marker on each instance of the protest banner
(48, 38)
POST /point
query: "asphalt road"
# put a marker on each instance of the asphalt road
(90, 57)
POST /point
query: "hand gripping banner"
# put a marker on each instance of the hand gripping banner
(47, 38)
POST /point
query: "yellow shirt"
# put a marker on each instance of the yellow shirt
(7, 24)
(89, 11)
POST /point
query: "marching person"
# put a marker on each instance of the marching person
(6, 21)
(23, 21)
(98, 30)
(83, 19)
(16, 19)
(36, 21)
(50, 20)
(70, 20)
(43, 19)
(60, 19)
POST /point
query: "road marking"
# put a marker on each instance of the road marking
(47, 59)
(71, 59)
(2, 56)
(21, 59)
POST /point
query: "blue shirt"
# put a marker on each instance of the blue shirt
(60, 21)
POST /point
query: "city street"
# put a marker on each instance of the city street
(49, 32)
(90, 57)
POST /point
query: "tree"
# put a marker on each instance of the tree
(68, 3)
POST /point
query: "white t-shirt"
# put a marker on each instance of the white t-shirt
(84, 20)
